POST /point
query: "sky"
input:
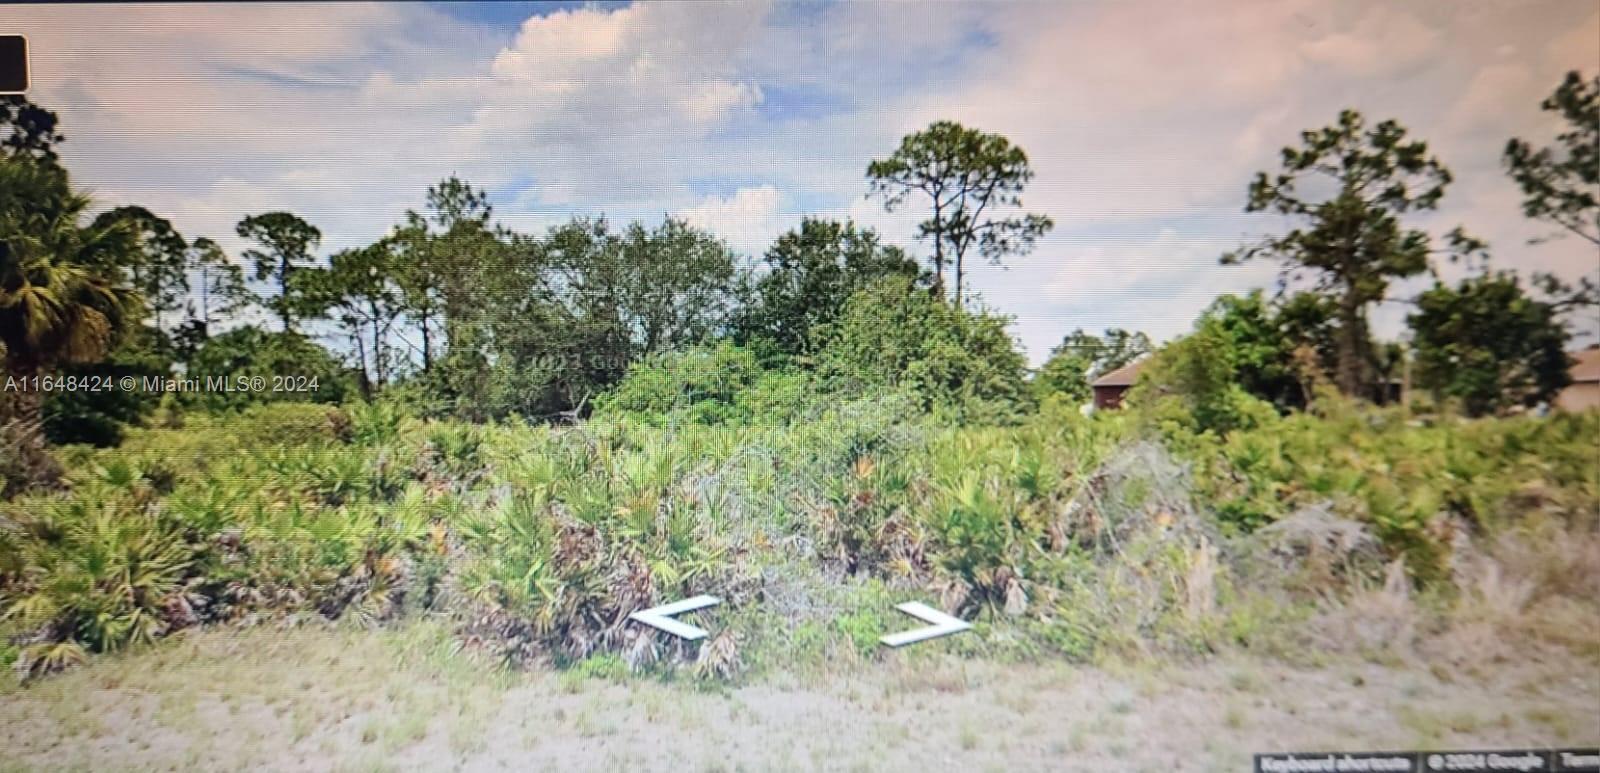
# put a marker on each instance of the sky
(1143, 121)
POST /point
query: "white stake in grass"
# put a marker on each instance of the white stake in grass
(660, 617)
(942, 625)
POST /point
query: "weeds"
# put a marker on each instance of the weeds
(25, 462)
(1061, 536)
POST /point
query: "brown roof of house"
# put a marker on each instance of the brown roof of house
(1586, 365)
(1123, 376)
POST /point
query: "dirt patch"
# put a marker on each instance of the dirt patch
(327, 700)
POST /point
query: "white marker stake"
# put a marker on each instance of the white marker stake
(942, 625)
(661, 617)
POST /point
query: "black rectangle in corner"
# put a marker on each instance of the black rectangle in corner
(13, 64)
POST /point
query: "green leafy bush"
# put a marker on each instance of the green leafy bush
(98, 417)
(1406, 480)
(894, 334)
(136, 552)
(721, 384)
(1192, 386)
(375, 423)
(286, 423)
(249, 352)
(101, 575)
(1060, 534)
(1489, 344)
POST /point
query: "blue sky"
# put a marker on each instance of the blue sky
(509, 16)
(1144, 120)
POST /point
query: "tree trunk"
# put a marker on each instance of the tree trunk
(938, 246)
(283, 297)
(22, 403)
(378, 364)
(427, 344)
(377, 344)
(1351, 332)
(205, 295)
(365, 383)
(1405, 384)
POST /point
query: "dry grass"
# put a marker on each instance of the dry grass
(1531, 592)
(332, 699)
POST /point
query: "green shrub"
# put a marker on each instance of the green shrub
(862, 629)
(896, 335)
(286, 423)
(229, 518)
(1402, 478)
(1191, 386)
(375, 423)
(605, 666)
(249, 352)
(101, 575)
(705, 385)
(97, 417)
(1489, 344)
(777, 397)
(1058, 534)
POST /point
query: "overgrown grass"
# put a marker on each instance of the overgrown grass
(1062, 536)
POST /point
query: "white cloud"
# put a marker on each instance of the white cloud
(1491, 90)
(748, 219)
(1144, 120)
(712, 102)
(633, 63)
(1143, 152)
(558, 47)
(1384, 39)
(1157, 284)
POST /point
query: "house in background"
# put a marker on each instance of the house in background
(1584, 392)
(1112, 387)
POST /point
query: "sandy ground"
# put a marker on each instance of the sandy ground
(316, 699)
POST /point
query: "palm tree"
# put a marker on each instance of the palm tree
(61, 298)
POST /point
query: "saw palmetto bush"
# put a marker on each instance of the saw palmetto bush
(144, 544)
(97, 575)
(1060, 535)
(866, 525)
(584, 526)
(1412, 482)
(537, 583)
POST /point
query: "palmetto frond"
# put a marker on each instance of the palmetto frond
(61, 298)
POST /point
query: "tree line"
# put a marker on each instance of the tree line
(1492, 341)
(468, 318)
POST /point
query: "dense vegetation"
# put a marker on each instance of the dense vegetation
(1062, 535)
(533, 435)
